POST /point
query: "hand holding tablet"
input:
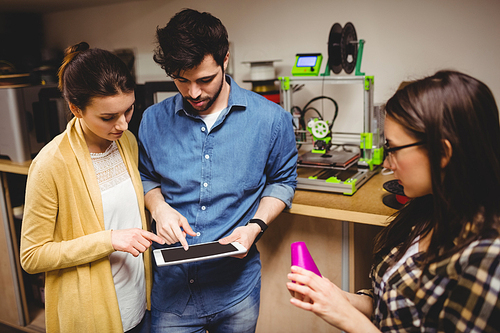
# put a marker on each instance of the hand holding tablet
(204, 251)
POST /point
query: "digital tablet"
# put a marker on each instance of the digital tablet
(204, 251)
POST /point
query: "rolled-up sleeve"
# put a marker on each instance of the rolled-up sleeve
(282, 163)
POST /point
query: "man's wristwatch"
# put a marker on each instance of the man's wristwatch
(262, 225)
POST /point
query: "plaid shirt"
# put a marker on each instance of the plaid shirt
(458, 294)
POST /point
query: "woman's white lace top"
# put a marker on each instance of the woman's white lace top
(121, 211)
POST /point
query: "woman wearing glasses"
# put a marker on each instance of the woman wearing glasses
(436, 264)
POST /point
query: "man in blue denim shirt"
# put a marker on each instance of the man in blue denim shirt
(218, 163)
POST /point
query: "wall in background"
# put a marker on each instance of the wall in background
(403, 39)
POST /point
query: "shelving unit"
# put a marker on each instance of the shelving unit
(19, 308)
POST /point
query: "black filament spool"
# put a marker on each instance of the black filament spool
(334, 48)
(349, 47)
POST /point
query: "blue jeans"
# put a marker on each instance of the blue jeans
(240, 318)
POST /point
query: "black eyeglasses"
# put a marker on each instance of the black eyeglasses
(389, 150)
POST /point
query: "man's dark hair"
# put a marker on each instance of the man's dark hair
(187, 38)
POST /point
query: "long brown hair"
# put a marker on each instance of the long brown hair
(465, 202)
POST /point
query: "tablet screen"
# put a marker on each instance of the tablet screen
(197, 251)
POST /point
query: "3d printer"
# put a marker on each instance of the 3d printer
(337, 162)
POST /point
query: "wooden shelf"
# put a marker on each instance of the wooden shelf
(12, 167)
(37, 316)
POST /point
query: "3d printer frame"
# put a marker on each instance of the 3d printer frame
(348, 175)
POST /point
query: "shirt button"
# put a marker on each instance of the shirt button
(198, 234)
(207, 157)
(203, 207)
(191, 281)
(203, 129)
(205, 184)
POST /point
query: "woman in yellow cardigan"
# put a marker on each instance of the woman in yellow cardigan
(84, 223)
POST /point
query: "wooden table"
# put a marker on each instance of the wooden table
(364, 206)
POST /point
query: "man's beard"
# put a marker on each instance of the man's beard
(211, 100)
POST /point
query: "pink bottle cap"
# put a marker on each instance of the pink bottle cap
(302, 258)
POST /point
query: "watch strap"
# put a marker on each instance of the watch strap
(263, 226)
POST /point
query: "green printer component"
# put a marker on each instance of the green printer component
(307, 64)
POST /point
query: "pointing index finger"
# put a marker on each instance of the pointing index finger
(153, 237)
(182, 239)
